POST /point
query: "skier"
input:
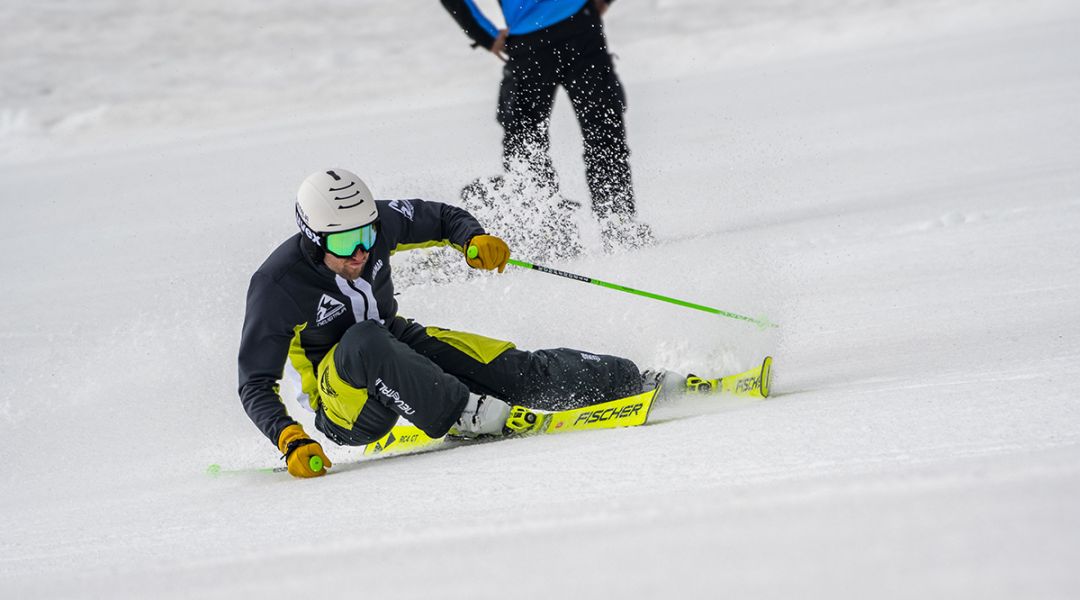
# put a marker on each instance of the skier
(550, 43)
(324, 301)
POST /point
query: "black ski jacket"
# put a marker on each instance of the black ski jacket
(297, 309)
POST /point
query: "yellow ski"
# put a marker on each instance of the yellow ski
(755, 382)
(622, 412)
(631, 411)
(402, 438)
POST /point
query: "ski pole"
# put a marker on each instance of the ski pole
(314, 462)
(762, 322)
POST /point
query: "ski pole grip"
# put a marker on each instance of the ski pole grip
(315, 463)
(472, 252)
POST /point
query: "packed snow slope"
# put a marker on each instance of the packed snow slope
(895, 184)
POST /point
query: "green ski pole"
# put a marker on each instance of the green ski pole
(215, 470)
(762, 322)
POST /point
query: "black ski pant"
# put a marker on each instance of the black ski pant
(377, 373)
(573, 54)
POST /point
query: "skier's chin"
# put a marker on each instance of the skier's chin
(349, 268)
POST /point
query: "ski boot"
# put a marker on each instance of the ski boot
(483, 416)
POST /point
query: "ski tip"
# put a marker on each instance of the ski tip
(766, 377)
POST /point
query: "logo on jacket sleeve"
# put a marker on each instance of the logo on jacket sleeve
(404, 207)
(328, 310)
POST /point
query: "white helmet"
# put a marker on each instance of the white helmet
(331, 201)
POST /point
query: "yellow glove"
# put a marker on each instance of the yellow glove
(491, 253)
(299, 450)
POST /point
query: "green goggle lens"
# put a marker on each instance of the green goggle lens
(344, 243)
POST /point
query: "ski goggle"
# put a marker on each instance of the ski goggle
(343, 244)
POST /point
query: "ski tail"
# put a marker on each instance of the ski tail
(402, 438)
(755, 383)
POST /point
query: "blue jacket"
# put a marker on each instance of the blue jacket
(522, 16)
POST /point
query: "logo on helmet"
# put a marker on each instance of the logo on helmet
(301, 222)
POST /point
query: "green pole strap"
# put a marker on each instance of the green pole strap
(761, 322)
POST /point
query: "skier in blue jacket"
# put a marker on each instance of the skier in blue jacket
(551, 43)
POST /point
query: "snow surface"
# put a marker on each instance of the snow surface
(895, 183)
